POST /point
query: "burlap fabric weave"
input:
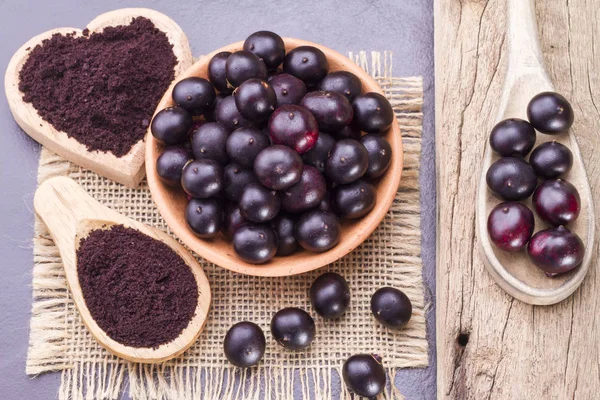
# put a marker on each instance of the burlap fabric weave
(390, 257)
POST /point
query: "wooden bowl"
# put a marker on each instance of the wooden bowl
(171, 202)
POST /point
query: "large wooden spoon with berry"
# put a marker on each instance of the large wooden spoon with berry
(533, 272)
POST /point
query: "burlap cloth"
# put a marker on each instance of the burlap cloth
(391, 256)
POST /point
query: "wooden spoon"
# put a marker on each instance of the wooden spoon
(70, 215)
(128, 169)
(525, 78)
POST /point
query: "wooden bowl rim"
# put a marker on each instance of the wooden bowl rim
(280, 266)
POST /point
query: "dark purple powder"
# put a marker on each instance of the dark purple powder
(101, 89)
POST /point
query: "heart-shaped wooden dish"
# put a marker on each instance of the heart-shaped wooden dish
(171, 202)
(128, 169)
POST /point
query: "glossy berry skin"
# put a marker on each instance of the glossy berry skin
(228, 115)
(510, 226)
(331, 110)
(243, 65)
(232, 220)
(204, 217)
(216, 72)
(235, 179)
(380, 155)
(210, 114)
(288, 89)
(557, 202)
(351, 131)
(364, 375)
(556, 250)
(171, 125)
(354, 200)
(283, 225)
(244, 344)
(293, 126)
(551, 160)
(259, 204)
(306, 63)
(293, 328)
(391, 307)
(306, 193)
(511, 178)
(373, 112)
(330, 295)
(255, 243)
(278, 167)
(202, 178)
(317, 156)
(255, 99)
(266, 45)
(195, 94)
(244, 144)
(550, 113)
(209, 140)
(512, 137)
(318, 231)
(170, 163)
(347, 162)
(326, 203)
(343, 82)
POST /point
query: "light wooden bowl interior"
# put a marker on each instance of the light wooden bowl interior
(171, 202)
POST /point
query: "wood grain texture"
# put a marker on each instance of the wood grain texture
(491, 346)
(70, 214)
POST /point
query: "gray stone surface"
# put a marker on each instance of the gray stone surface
(403, 26)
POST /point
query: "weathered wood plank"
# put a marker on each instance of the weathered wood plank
(514, 350)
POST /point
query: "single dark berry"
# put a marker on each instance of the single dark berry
(202, 178)
(307, 63)
(330, 295)
(511, 178)
(243, 65)
(204, 217)
(373, 112)
(351, 131)
(557, 202)
(210, 114)
(318, 231)
(556, 250)
(283, 225)
(209, 140)
(244, 344)
(293, 328)
(194, 94)
(551, 160)
(391, 307)
(259, 204)
(235, 179)
(278, 167)
(171, 125)
(228, 115)
(380, 155)
(550, 113)
(268, 46)
(354, 200)
(293, 126)
(232, 220)
(347, 162)
(364, 375)
(317, 156)
(170, 163)
(512, 137)
(510, 226)
(306, 193)
(255, 99)
(342, 82)
(332, 110)
(216, 72)
(244, 144)
(288, 89)
(255, 243)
